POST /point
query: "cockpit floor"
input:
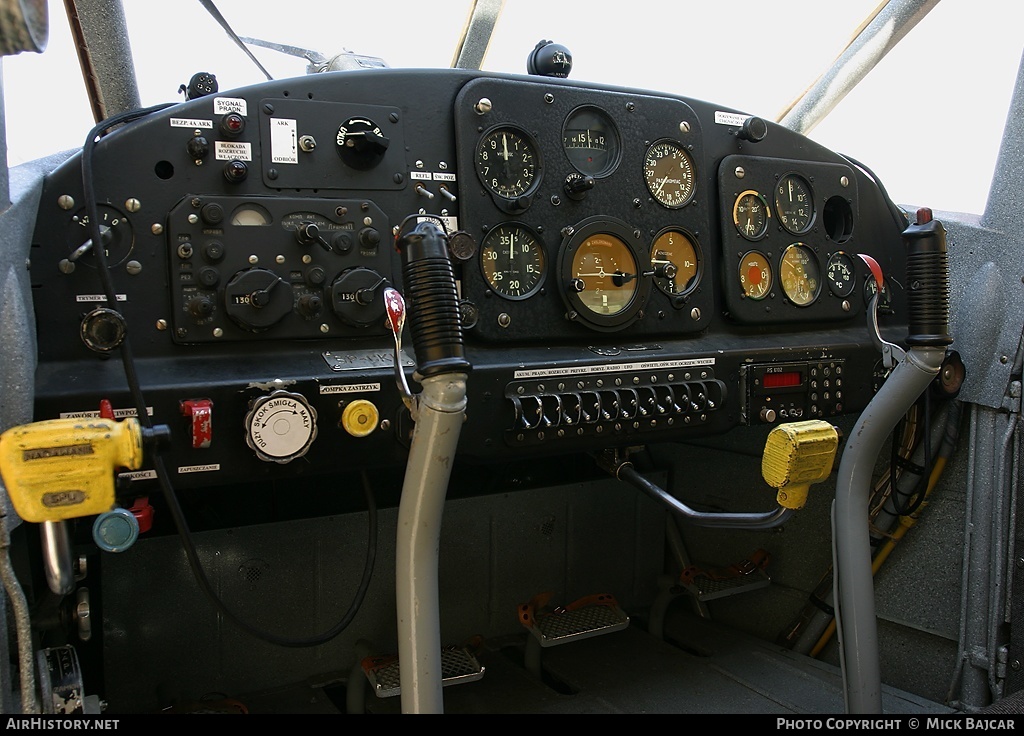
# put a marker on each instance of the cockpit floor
(706, 669)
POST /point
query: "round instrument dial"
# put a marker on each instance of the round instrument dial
(604, 274)
(750, 214)
(840, 273)
(512, 260)
(116, 236)
(676, 255)
(800, 274)
(755, 274)
(591, 141)
(669, 174)
(884, 299)
(280, 426)
(507, 162)
(794, 204)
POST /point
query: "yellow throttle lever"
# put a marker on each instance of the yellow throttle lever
(797, 455)
(64, 468)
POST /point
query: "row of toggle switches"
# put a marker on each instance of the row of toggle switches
(627, 407)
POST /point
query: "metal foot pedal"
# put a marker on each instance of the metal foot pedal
(458, 666)
(590, 616)
(709, 583)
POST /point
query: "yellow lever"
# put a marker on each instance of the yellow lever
(797, 455)
(64, 468)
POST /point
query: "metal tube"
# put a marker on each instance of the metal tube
(878, 38)
(439, 418)
(56, 543)
(720, 520)
(853, 584)
(100, 32)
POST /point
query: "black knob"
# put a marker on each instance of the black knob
(213, 251)
(369, 238)
(549, 59)
(310, 305)
(754, 129)
(200, 307)
(576, 185)
(198, 147)
(209, 276)
(212, 213)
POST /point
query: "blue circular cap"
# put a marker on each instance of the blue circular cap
(115, 530)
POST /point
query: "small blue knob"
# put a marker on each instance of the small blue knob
(115, 530)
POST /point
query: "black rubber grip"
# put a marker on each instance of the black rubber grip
(927, 283)
(433, 302)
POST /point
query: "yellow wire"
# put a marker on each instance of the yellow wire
(906, 522)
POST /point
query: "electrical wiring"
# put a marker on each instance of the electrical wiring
(907, 521)
(102, 129)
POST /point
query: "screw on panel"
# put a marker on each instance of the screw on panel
(218, 332)
(684, 127)
(133, 267)
(66, 266)
(132, 204)
(695, 314)
(739, 172)
(161, 324)
(844, 181)
(65, 202)
(483, 106)
(549, 98)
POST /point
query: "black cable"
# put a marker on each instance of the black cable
(894, 210)
(134, 386)
(915, 496)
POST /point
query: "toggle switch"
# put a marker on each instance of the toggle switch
(201, 413)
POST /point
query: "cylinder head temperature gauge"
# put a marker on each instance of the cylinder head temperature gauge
(280, 426)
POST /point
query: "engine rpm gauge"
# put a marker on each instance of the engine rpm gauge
(800, 274)
(512, 260)
(507, 162)
(750, 214)
(755, 275)
(669, 174)
(794, 204)
(840, 274)
(591, 141)
(676, 256)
